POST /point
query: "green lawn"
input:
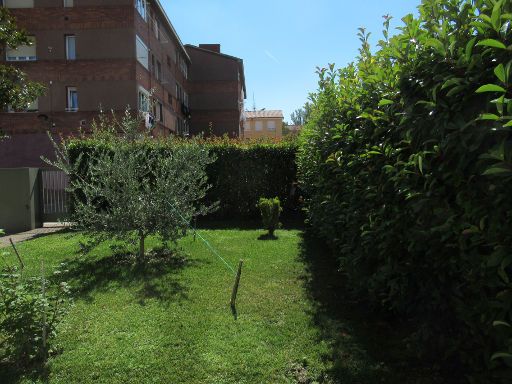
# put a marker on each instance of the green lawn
(171, 322)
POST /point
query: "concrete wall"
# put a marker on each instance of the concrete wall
(19, 199)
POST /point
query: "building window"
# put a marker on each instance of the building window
(142, 53)
(168, 61)
(179, 92)
(182, 127)
(23, 52)
(143, 100)
(271, 125)
(258, 126)
(142, 7)
(158, 74)
(156, 28)
(184, 67)
(68, 3)
(19, 3)
(185, 99)
(158, 112)
(70, 47)
(72, 99)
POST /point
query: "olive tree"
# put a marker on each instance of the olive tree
(128, 186)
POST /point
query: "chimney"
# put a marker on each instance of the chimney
(211, 47)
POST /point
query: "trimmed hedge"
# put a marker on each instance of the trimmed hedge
(241, 174)
(244, 173)
(407, 162)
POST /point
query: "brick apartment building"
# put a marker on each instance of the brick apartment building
(92, 55)
(217, 91)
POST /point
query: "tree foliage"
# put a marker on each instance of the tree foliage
(126, 191)
(301, 116)
(407, 162)
(15, 88)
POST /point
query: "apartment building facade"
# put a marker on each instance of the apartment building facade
(263, 124)
(217, 88)
(94, 55)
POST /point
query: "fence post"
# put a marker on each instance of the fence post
(235, 286)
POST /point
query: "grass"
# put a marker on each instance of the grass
(170, 322)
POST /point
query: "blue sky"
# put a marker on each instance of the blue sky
(283, 41)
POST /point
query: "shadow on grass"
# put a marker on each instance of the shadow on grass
(363, 347)
(268, 236)
(156, 278)
(11, 374)
(289, 223)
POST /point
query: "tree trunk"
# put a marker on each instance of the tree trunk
(141, 246)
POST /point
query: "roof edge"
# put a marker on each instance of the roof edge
(212, 52)
(162, 10)
(261, 114)
(237, 59)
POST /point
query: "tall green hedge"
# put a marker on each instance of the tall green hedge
(242, 173)
(407, 162)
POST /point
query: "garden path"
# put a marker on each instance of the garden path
(47, 229)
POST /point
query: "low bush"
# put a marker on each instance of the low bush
(407, 164)
(30, 310)
(270, 210)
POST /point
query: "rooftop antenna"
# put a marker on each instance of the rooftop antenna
(253, 103)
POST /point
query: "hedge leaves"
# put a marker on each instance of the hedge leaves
(407, 162)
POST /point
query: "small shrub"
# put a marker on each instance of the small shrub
(270, 211)
(30, 309)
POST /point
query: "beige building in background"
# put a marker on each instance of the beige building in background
(263, 124)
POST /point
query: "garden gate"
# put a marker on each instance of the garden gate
(53, 196)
